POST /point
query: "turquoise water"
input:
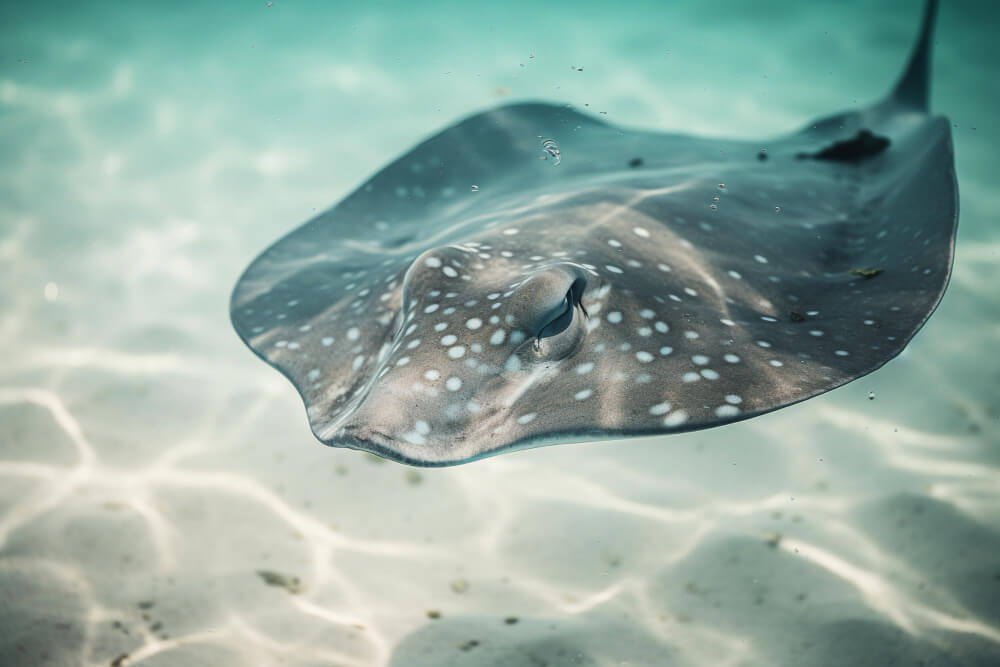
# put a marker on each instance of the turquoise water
(151, 467)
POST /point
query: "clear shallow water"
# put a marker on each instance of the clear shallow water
(151, 467)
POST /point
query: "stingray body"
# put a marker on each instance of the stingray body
(471, 298)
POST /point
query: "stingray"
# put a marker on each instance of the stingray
(471, 298)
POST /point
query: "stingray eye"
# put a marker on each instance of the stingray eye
(563, 317)
(563, 329)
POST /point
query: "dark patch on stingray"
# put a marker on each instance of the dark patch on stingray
(863, 145)
(635, 162)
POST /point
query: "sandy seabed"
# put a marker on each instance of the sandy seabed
(163, 503)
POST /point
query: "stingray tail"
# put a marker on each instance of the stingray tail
(913, 88)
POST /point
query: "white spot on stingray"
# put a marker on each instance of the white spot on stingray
(675, 419)
(614, 244)
(583, 394)
(690, 292)
(760, 258)
(431, 308)
(840, 353)
(513, 364)
(453, 383)
(734, 274)
(644, 331)
(313, 375)
(474, 323)
(432, 374)
(666, 350)
(639, 231)
(498, 337)
(647, 314)
(763, 343)
(776, 363)
(699, 359)
(440, 326)
(734, 399)
(613, 269)
(433, 262)
(527, 418)
(614, 317)
(731, 358)
(691, 335)
(727, 411)
(353, 334)
(450, 272)
(643, 356)
(402, 361)
(816, 332)
(456, 352)
(450, 339)
(516, 337)
(584, 368)
(421, 427)
(358, 360)
(663, 267)
(414, 438)
(659, 409)
(327, 341)
(709, 374)
(691, 377)
(661, 327)
(511, 231)
(728, 322)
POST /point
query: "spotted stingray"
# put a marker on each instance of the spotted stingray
(471, 298)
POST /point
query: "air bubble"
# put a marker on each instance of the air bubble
(871, 396)
(551, 149)
(475, 188)
(777, 209)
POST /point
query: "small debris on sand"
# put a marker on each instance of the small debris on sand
(288, 582)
